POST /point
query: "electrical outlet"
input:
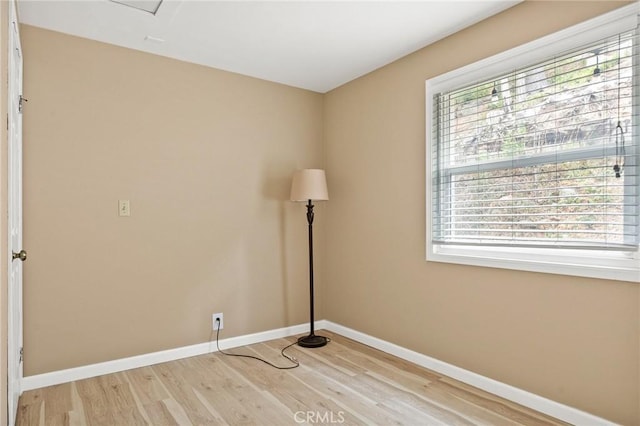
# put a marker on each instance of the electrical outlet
(215, 323)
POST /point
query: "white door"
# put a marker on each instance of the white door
(17, 253)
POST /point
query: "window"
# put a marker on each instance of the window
(533, 155)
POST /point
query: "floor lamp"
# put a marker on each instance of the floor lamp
(309, 185)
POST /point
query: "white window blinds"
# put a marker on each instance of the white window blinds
(544, 156)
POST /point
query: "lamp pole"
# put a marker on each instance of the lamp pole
(311, 341)
(311, 291)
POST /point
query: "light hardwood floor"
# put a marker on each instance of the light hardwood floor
(342, 383)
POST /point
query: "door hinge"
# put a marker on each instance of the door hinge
(21, 102)
(21, 354)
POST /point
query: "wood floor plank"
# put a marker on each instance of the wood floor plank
(77, 416)
(216, 415)
(57, 401)
(491, 403)
(97, 399)
(30, 412)
(173, 376)
(352, 350)
(235, 397)
(344, 382)
(136, 397)
(159, 414)
(177, 412)
(146, 385)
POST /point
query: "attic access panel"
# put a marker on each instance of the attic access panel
(150, 6)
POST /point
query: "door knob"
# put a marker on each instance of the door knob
(22, 255)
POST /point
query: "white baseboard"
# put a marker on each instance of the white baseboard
(522, 397)
(87, 371)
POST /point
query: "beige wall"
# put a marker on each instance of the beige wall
(204, 156)
(573, 340)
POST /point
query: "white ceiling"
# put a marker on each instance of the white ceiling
(315, 45)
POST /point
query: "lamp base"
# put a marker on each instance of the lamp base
(312, 341)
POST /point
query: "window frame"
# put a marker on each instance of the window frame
(605, 264)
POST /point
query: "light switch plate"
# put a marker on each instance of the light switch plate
(124, 208)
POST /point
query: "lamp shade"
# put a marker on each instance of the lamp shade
(309, 184)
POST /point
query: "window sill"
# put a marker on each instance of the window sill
(591, 264)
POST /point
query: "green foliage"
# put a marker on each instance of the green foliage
(513, 146)
(569, 73)
(472, 94)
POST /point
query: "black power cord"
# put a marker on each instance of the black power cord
(290, 358)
